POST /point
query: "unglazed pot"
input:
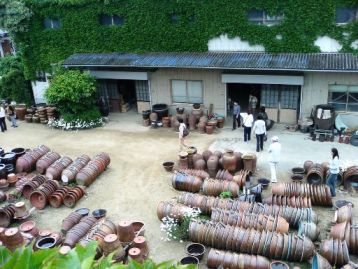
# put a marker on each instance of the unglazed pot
(229, 160)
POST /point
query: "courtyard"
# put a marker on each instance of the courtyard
(135, 181)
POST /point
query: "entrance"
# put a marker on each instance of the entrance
(123, 95)
(239, 92)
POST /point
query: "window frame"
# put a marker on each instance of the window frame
(346, 94)
(52, 22)
(112, 19)
(355, 10)
(187, 101)
(266, 19)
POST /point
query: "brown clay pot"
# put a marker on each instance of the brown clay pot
(136, 254)
(184, 182)
(26, 163)
(229, 160)
(125, 231)
(93, 169)
(141, 243)
(215, 187)
(46, 160)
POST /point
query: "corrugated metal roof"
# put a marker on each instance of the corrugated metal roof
(343, 62)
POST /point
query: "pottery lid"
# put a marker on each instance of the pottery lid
(139, 239)
(134, 251)
(11, 231)
(124, 223)
(110, 238)
(27, 226)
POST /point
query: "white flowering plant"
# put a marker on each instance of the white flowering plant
(176, 228)
(75, 124)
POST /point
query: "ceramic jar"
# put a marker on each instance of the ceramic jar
(229, 161)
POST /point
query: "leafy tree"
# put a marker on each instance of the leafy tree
(74, 94)
(14, 16)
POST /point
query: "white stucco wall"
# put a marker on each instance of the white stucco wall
(214, 90)
(39, 88)
(315, 88)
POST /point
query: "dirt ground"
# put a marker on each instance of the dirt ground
(135, 181)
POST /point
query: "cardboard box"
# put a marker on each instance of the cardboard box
(142, 106)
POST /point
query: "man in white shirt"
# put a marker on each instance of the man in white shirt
(274, 157)
(247, 123)
(2, 118)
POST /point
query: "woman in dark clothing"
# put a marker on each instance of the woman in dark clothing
(11, 112)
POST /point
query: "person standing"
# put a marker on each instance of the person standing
(252, 103)
(183, 132)
(11, 112)
(247, 123)
(260, 131)
(274, 157)
(236, 116)
(2, 118)
(333, 171)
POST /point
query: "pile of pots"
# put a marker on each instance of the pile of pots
(70, 172)
(88, 174)
(73, 196)
(55, 169)
(248, 220)
(41, 114)
(205, 203)
(57, 197)
(27, 162)
(195, 172)
(32, 184)
(320, 194)
(7, 214)
(20, 111)
(350, 178)
(347, 232)
(79, 230)
(12, 238)
(218, 258)
(273, 245)
(224, 175)
(309, 229)
(184, 182)
(45, 161)
(39, 198)
(335, 251)
(343, 214)
(214, 187)
(293, 201)
(71, 220)
(171, 209)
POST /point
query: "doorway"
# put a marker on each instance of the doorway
(239, 92)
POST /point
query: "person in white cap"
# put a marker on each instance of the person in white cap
(274, 157)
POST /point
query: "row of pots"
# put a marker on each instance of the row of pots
(349, 233)
(70, 172)
(39, 198)
(22, 180)
(309, 229)
(185, 182)
(7, 214)
(88, 174)
(320, 194)
(79, 230)
(343, 214)
(71, 220)
(269, 244)
(55, 169)
(214, 187)
(171, 209)
(31, 184)
(12, 238)
(249, 220)
(27, 162)
(195, 172)
(335, 251)
(350, 178)
(230, 260)
(205, 203)
(46, 160)
(293, 201)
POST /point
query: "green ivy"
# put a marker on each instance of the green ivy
(148, 27)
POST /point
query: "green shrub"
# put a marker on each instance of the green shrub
(74, 94)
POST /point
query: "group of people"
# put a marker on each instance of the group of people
(10, 111)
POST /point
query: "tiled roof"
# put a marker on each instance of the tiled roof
(342, 62)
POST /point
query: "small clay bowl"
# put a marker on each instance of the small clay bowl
(189, 260)
(168, 166)
(196, 250)
(83, 211)
(99, 213)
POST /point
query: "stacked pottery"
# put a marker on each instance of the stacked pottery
(57, 198)
(29, 227)
(12, 179)
(70, 172)
(249, 160)
(28, 118)
(172, 210)
(269, 244)
(33, 184)
(307, 165)
(343, 214)
(41, 111)
(20, 211)
(224, 175)
(335, 251)
(184, 182)
(309, 229)
(13, 239)
(79, 230)
(214, 187)
(27, 162)
(135, 254)
(229, 161)
(248, 220)
(166, 122)
(54, 170)
(23, 179)
(51, 111)
(141, 243)
(293, 201)
(20, 111)
(93, 169)
(320, 194)
(350, 177)
(125, 231)
(73, 196)
(213, 164)
(71, 220)
(349, 233)
(315, 174)
(45, 161)
(221, 122)
(183, 160)
(241, 177)
(231, 260)
(205, 203)
(40, 197)
(319, 262)
(7, 214)
(111, 244)
(98, 232)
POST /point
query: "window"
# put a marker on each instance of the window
(345, 15)
(52, 23)
(174, 18)
(285, 95)
(107, 19)
(343, 97)
(262, 17)
(142, 90)
(187, 91)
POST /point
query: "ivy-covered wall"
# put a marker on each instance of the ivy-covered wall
(148, 27)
